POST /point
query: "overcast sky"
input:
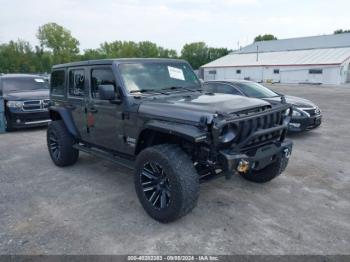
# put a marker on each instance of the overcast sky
(172, 23)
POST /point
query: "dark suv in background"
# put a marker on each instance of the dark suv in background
(26, 99)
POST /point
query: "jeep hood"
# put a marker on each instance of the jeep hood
(193, 107)
(28, 95)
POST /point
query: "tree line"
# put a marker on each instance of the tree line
(57, 46)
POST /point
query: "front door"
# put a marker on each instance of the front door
(104, 118)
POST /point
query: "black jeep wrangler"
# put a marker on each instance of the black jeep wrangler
(151, 115)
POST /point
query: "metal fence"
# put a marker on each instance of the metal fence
(2, 115)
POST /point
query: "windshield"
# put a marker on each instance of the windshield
(156, 76)
(23, 84)
(251, 89)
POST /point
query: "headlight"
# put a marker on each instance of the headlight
(296, 112)
(228, 134)
(14, 104)
(287, 112)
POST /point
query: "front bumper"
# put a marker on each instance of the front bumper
(300, 124)
(28, 119)
(258, 159)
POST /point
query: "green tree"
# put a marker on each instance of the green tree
(198, 53)
(215, 53)
(341, 31)
(119, 49)
(60, 41)
(17, 57)
(147, 49)
(125, 49)
(195, 53)
(91, 54)
(266, 37)
(42, 60)
(167, 53)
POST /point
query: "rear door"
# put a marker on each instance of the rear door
(104, 118)
(77, 98)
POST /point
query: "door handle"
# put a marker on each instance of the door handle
(71, 107)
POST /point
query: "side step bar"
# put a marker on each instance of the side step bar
(106, 156)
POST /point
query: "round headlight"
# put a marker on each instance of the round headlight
(228, 134)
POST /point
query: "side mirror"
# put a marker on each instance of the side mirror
(106, 92)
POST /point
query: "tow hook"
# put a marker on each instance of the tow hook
(287, 153)
(243, 166)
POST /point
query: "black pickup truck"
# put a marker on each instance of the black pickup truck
(152, 116)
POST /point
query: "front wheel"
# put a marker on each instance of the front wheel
(60, 144)
(268, 173)
(8, 124)
(166, 182)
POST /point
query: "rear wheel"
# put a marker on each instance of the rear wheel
(268, 173)
(60, 144)
(166, 182)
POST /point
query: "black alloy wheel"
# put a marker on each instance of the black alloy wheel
(53, 145)
(155, 185)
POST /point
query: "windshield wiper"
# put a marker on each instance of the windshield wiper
(147, 90)
(178, 87)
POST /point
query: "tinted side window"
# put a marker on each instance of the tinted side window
(226, 89)
(209, 87)
(101, 76)
(315, 71)
(76, 83)
(57, 82)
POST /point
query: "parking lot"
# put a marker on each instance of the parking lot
(91, 208)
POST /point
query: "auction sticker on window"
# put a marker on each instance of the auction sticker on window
(176, 73)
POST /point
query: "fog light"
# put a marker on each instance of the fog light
(287, 153)
(18, 121)
(243, 166)
(294, 124)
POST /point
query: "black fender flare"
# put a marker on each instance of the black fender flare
(188, 132)
(66, 116)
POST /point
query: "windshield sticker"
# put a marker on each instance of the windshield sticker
(38, 80)
(176, 73)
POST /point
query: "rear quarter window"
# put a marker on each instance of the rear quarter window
(58, 83)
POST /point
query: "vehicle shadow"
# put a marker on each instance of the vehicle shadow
(27, 130)
(302, 135)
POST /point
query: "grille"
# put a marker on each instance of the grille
(31, 105)
(259, 130)
(46, 103)
(34, 105)
(313, 111)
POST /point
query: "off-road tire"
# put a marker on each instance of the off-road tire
(183, 181)
(66, 154)
(268, 173)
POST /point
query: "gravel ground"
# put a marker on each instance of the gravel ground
(91, 208)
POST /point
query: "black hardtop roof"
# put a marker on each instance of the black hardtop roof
(117, 61)
(13, 76)
(231, 81)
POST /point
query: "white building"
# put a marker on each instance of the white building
(318, 59)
